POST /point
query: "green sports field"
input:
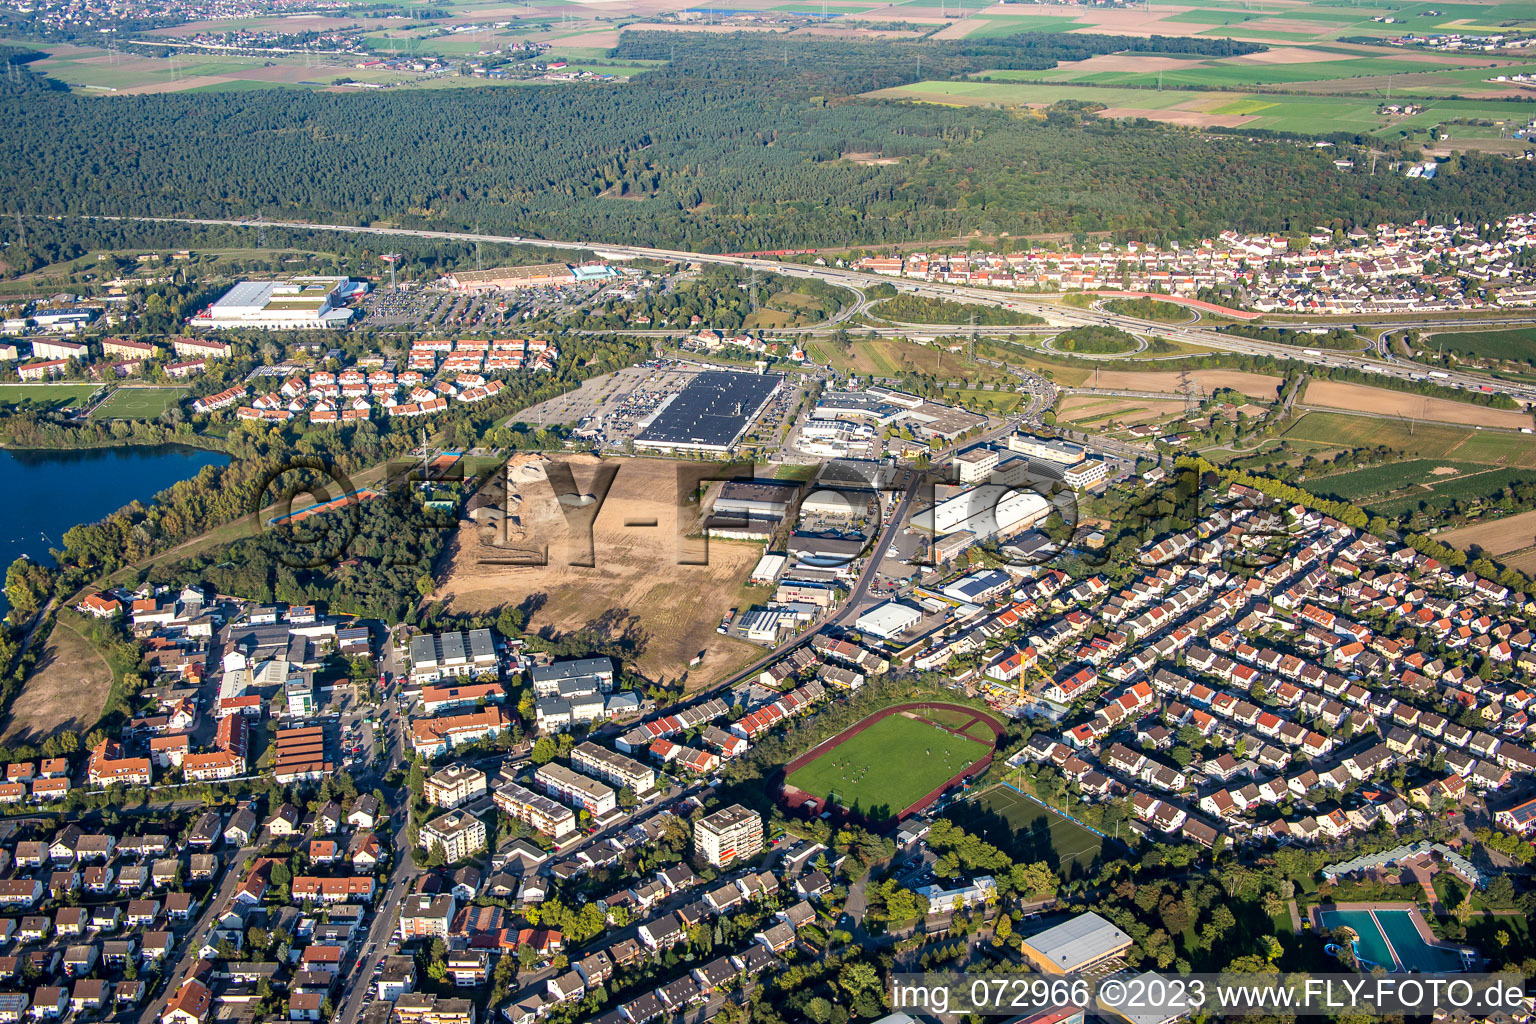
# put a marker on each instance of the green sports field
(889, 766)
(1027, 830)
(47, 396)
(137, 403)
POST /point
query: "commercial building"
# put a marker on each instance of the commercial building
(730, 834)
(750, 509)
(460, 834)
(299, 693)
(711, 414)
(771, 498)
(768, 569)
(454, 786)
(1076, 945)
(452, 655)
(299, 304)
(975, 465)
(536, 811)
(984, 512)
(602, 763)
(979, 587)
(889, 620)
(510, 278)
(570, 787)
(1064, 452)
(1086, 474)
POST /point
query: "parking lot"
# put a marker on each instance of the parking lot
(426, 307)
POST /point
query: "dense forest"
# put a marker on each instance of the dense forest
(811, 67)
(706, 154)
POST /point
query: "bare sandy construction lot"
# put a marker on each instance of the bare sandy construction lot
(644, 582)
(1331, 394)
(66, 691)
(1508, 534)
(1254, 385)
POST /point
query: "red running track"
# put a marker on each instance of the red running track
(796, 799)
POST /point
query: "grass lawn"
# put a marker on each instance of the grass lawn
(1517, 345)
(51, 396)
(889, 766)
(138, 403)
(1028, 831)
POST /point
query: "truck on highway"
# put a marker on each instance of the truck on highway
(1310, 352)
(1439, 375)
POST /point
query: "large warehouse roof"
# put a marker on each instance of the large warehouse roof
(1080, 941)
(986, 510)
(890, 619)
(713, 411)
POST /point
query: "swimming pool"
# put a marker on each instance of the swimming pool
(1391, 938)
(1414, 953)
(1372, 945)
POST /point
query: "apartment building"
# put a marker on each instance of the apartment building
(570, 787)
(460, 834)
(553, 819)
(614, 768)
(454, 786)
(730, 834)
(452, 655)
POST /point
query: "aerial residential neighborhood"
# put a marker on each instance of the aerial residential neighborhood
(639, 513)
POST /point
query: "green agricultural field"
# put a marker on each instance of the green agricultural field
(1479, 485)
(1515, 345)
(1029, 832)
(1014, 24)
(47, 396)
(889, 766)
(1224, 73)
(1384, 479)
(1304, 114)
(137, 403)
(1420, 440)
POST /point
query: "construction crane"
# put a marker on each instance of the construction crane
(1025, 675)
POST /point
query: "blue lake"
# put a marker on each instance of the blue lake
(44, 493)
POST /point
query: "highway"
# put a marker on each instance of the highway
(1057, 315)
